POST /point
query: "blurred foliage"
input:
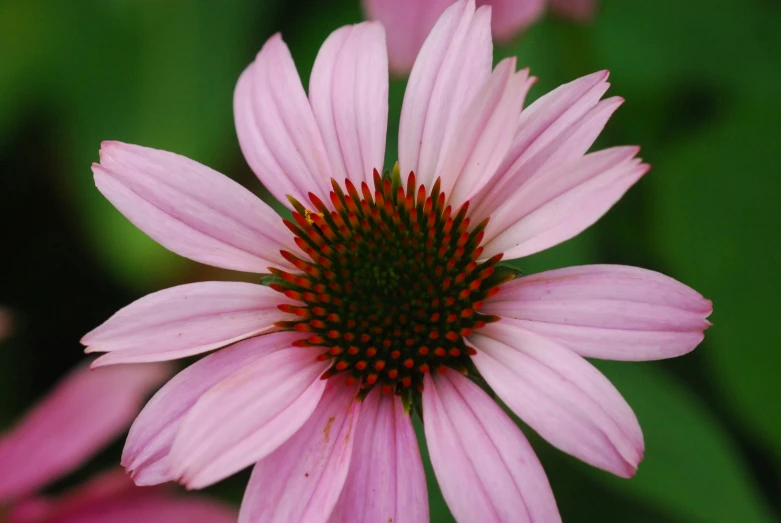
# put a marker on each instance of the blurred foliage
(701, 79)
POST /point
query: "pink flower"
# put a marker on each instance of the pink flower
(85, 412)
(408, 22)
(384, 292)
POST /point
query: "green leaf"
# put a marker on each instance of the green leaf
(156, 74)
(691, 467)
(715, 221)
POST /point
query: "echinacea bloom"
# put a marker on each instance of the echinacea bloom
(408, 22)
(84, 413)
(383, 294)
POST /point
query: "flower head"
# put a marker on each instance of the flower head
(84, 413)
(384, 294)
(409, 22)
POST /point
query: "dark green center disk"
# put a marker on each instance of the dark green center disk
(391, 285)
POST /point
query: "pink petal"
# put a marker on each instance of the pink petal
(348, 90)
(110, 485)
(509, 17)
(152, 508)
(544, 137)
(111, 497)
(408, 23)
(276, 128)
(386, 481)
(191, 209)
(578, 10)
(247, 416)
(485, 467)
(83, 413)
(561, 396)
(302, 479)
(453, 65)
(471, 156)
(185, 320)
(556, 206)
(152, 434)
(607, 311)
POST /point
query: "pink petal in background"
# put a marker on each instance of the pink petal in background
(578, 10)
(84, 412)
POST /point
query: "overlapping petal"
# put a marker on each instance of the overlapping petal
(190, 209)
(386, 481)
(185, 320)
(348, 91)
(561, 396)
(607, 311)
(111, 497)
(151, 508)
(302, 479)
(556, 206)
(152, 434)
(247, 416)
(544, 137)
(470, 157)
(453, 65)
(77, 419)
(277, 131)
(487, 470)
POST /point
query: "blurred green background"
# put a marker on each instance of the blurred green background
(702, 80)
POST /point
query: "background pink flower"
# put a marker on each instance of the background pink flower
(408, 22)
(86, 411)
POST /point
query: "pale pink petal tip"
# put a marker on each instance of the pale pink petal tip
(557, 203)
(454, 64)
(561, 396)
(59, 434)
(348, 91)
(185, 320)
(607, 311)
(510, 17)
(191, 209)
(276, 128)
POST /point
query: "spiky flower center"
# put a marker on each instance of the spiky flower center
(392, 282)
